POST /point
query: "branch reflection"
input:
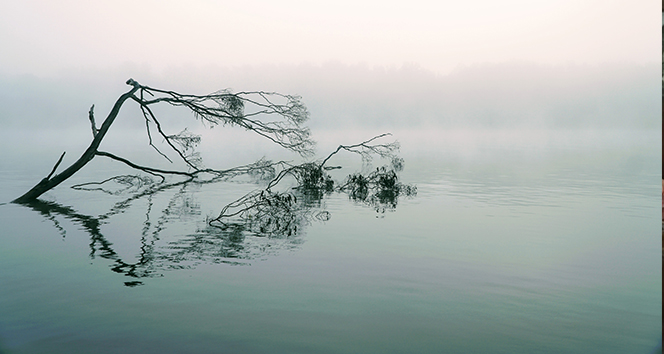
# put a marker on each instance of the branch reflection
(255, 226)
(237, 244)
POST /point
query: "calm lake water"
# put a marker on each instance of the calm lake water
(531, 248)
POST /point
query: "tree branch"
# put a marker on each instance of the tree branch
(277, 212)
(150, 170)
(56, 165)
(49, 183)
(221, 107)
(366, 150)
(91, 116)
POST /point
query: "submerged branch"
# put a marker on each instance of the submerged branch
(270, 212)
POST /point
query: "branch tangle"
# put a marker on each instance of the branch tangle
(220, 107)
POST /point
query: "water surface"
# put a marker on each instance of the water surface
(512, 249)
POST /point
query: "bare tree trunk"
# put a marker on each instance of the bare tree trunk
(49, 182)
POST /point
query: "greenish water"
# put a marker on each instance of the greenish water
(556, 251)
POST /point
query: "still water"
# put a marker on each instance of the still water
(506, 251)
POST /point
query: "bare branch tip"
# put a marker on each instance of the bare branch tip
(91, 116)
(132, 82)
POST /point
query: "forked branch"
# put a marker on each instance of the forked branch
(221, 107)
(51, 181)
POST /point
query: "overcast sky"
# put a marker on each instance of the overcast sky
(45, 37)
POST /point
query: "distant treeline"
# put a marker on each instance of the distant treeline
(343, 96)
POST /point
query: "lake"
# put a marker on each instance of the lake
(514, 243)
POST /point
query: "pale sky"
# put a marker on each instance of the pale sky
(44, 37)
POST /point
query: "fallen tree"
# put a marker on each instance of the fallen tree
(266, 211)
(218, 108)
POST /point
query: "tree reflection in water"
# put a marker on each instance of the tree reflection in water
(254, 226)
(235, 245)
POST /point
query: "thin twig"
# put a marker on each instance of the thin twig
(150, 170)
(372, 148)
(56, 166)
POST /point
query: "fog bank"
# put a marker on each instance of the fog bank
(490, 96)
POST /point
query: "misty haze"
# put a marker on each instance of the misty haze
(349, 177)
(521, 215)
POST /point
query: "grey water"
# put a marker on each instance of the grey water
(510, 246)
